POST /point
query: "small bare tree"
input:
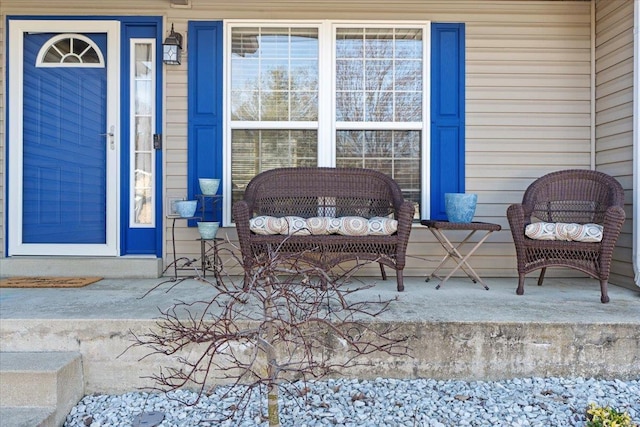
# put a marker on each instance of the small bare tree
(288, 321)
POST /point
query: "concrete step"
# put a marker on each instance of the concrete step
(28, 417)
(42, 385)
(107, 267)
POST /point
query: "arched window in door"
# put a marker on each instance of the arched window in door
(70, 50)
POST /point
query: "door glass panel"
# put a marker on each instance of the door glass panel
(143, 100)
(70, 50)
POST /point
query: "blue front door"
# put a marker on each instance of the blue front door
(64, 142)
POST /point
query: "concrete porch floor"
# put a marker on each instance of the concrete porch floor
(459, 331)
(458, 300)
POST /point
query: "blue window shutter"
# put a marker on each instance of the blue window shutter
(204, 158)
(447, 114)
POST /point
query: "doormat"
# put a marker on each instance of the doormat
(47, 282)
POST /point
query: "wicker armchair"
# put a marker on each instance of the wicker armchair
(571, 196)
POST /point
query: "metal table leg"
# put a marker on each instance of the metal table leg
(453, 253)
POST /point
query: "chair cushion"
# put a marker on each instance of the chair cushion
(353, 226)
(381, 226)
(295, 225)
(322, 225)
(564, 231)
(266, 225)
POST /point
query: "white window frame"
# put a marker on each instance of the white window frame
(327, 98)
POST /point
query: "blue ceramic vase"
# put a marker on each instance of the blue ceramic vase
(208, 230)
(460, 207)
(209, 186)
(186, 208)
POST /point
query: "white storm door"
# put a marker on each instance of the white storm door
(63, 147)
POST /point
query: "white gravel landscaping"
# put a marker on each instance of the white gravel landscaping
(543, 402)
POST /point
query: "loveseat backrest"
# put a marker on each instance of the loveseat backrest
(311, 192)
(574, 196)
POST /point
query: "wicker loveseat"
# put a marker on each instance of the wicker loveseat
(574, 199)
(331, 194)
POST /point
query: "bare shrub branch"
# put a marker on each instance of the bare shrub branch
(288, 321)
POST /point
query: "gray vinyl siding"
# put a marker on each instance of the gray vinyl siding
(528, 102)
(614, 115)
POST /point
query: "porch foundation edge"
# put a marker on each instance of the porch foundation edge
(439, 350)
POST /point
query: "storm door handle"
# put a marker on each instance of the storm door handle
(111, 134)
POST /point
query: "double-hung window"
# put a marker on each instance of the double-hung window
(328, 94)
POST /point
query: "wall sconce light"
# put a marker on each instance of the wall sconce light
(172, 48)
